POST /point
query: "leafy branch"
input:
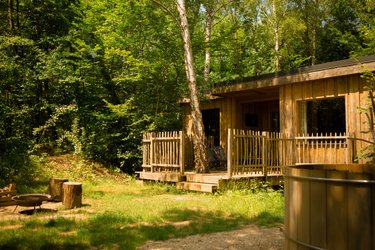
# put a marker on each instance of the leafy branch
(368, 152)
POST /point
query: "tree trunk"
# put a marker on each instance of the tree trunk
(55, 188)
(207, 36)
(199, 139)
(10, 16)
(72, 194)
(277, 35)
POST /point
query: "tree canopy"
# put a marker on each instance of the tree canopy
(89, 76)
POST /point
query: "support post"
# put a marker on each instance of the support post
(182, 152)
(264, 154)
(152, 151)
(229, 152)
(349, 148)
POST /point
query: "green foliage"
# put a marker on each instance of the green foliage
(119, 66)
(368, 152)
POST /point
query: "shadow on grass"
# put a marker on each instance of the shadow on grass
(37, 211)
(118, 231)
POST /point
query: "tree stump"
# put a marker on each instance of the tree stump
(72, 194)
(55, 188)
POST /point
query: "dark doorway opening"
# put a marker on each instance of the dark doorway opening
(211, 122)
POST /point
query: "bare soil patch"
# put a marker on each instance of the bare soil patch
(249, 237)
(50, 210)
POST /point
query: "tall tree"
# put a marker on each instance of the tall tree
(199, 139)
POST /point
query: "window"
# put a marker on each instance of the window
(323, 116)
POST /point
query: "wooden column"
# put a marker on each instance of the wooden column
(72, 194)
(55, 188)
(229, 152)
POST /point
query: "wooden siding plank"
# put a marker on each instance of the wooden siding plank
(288, 115)
(307, 90)
(329, 88)
(342, 85)
(318, 89)
(298, 91)
(282, 109)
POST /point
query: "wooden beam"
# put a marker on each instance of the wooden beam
(275, 80)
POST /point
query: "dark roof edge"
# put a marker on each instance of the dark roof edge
(307, 69)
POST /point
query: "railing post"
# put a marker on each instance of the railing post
(264, 153)
(152, 151)
(293, 140)
(182, 152)
(229, 152)
(349, 149)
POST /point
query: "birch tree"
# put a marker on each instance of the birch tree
(199, 139)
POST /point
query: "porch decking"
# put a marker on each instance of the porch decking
(250, 156)
(208, 182)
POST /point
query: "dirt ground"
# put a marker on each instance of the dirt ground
(51, 209)
(248, 237)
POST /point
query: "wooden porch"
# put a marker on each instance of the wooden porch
(251, 155)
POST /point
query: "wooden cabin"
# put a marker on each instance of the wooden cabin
(307, 115)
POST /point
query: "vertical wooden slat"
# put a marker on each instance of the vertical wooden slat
(318, 203)
(229, 152)
(152, 152)
(359, 209)
(336, 212)
(303, 223)
(182, 152)
(264, 153)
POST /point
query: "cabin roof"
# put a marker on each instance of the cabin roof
(310, 73)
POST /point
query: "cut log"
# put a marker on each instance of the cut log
(55, 188)
(6, 195)
(72, 194)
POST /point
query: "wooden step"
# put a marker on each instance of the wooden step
(202, 178)
(196, 186)
(159, 176)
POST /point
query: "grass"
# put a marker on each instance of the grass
(120, 213)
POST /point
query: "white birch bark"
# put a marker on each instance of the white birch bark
(199, 139)
(207, 36)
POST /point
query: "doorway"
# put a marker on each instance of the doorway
(211, 122)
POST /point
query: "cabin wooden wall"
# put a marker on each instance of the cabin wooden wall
(350, 87)
(230, 112)
(263, 110)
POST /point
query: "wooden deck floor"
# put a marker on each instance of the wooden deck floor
(207, 182)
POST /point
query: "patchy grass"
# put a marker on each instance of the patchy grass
(120, 213)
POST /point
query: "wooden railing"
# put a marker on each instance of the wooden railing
(257, 153)
(324, 148)
(163, 152)
(249, 152)
(264, 153)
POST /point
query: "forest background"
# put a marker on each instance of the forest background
(90, 76)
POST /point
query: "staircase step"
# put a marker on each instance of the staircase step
(212, 179)
(196, 186)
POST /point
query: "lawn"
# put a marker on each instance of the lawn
(121, 213)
